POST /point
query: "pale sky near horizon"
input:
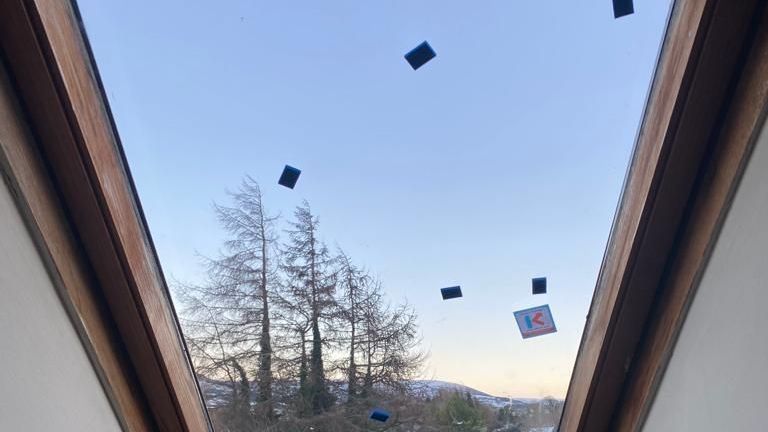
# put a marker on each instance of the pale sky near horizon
(500, 160)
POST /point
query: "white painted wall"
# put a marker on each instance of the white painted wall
(717, 379)
(47, 382)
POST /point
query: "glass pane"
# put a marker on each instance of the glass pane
(319, 306)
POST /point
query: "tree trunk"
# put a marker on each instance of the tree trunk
(319, 396)
(368, 380)
(265, 362)
(265, 342)
(352, 372)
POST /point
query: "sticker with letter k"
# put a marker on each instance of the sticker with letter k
(535, 321)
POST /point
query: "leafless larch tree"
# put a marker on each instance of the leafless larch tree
(228, 318)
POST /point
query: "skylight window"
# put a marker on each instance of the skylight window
(318, 189)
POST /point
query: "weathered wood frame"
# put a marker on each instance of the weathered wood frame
(64, 162)
(706, 102)
(708, 97)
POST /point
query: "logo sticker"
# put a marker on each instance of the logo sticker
(535, 321)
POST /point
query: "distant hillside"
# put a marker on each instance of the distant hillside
(217, 393)
(430, 388)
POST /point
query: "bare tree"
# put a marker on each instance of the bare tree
(232, 310)
(388, 343)
(293, 320)
(207, 335)
(294, 314)
(310, 280)
(355, 285)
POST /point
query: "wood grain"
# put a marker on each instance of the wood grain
(36, 198)
(677, 49)
(699, 58)
(52, 70)
(718, 185)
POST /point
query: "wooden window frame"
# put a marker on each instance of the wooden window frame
(707, 99)
(65, 164)
(705, 108)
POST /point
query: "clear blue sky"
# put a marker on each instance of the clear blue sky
(500, 160)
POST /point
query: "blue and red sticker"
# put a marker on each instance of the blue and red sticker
(536, 321)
